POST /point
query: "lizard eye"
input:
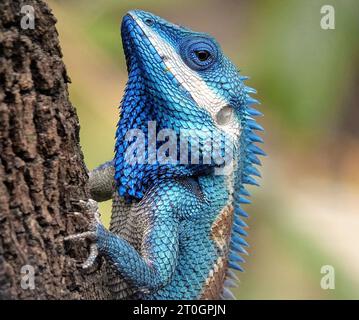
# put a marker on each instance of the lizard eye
(202, 55)
(199, 53)
(224, 115)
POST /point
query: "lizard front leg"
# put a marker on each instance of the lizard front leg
(102, 186)
(153, 266)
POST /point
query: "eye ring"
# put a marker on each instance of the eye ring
(149, 21)
(199, 52)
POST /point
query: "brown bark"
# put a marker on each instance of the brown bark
(42, 173)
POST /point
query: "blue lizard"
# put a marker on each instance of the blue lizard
(177, 223)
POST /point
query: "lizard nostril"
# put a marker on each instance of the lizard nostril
(150, 22)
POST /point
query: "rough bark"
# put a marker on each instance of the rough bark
(42, 173)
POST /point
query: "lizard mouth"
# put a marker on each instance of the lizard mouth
(138, 49)
(141, 52)
(130, 39)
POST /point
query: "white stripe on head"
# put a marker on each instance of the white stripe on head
(201, 93)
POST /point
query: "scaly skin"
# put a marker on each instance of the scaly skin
(176, 228)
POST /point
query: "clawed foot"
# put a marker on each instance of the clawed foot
(91, 207)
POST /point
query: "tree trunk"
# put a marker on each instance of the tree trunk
(42, 173)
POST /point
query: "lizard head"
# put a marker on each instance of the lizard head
(179, 80)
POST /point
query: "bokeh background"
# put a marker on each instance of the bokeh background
(306, 214)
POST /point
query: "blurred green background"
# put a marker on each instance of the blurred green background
(306, 214)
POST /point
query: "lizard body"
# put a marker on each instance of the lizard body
(177, 226)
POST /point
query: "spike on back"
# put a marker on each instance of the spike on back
(250, 160)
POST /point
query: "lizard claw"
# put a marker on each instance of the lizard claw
(92, 208)
(92, 257)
